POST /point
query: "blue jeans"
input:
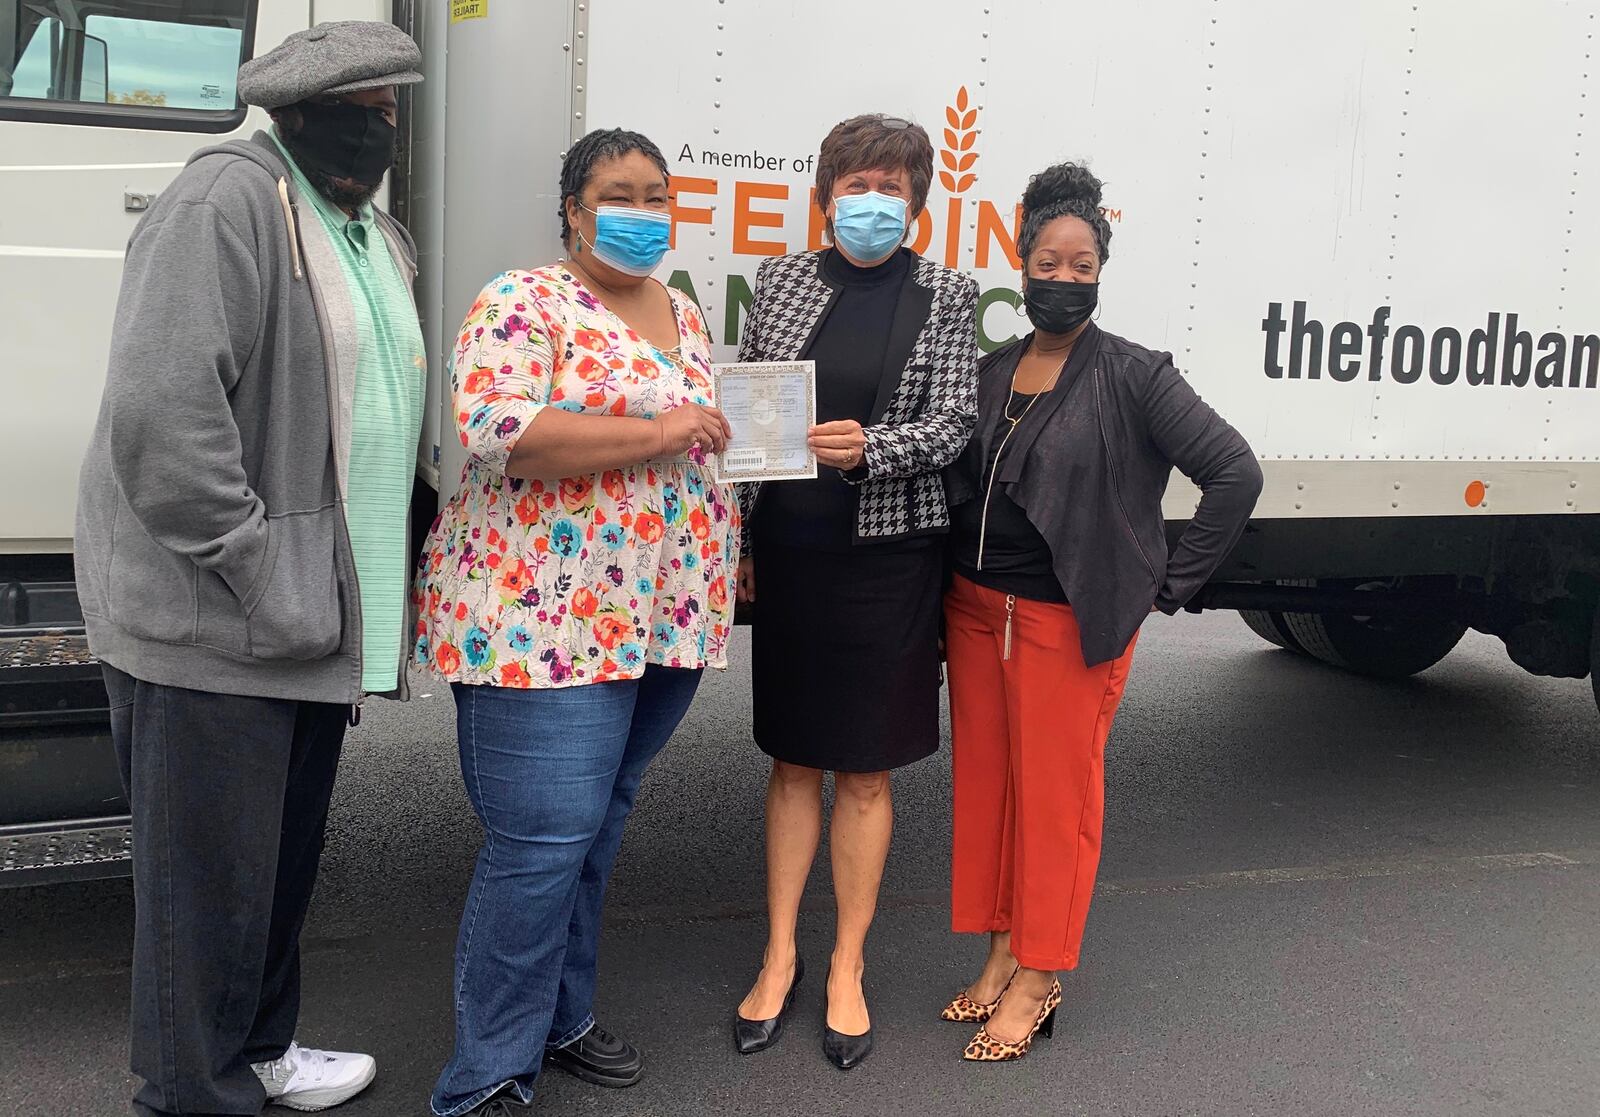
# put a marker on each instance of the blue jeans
(552, 775)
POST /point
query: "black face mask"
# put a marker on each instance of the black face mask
(345, 141)
(1058, 307)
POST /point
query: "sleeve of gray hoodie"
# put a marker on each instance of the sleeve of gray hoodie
(186, 323)
(1207, 450)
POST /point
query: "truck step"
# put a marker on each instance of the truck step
(92, 851)
(45, 649)
(49, 678)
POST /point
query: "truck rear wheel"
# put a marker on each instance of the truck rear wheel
(1271, 626)
(1594, 658)
(1382, 647)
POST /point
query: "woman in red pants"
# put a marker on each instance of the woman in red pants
(1060, 552)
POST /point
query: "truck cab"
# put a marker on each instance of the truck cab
(101, 104)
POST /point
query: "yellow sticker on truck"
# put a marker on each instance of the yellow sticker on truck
(468, 9)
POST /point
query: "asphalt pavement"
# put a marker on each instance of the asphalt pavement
(1319, 895)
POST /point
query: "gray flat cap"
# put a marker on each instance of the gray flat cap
(333, 58)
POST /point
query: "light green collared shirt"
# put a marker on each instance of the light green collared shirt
(391, 376)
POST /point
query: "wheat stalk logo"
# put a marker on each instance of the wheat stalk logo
(958, 156)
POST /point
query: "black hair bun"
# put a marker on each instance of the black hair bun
(1064, 182)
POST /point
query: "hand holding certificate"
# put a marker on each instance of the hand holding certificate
(771, 408)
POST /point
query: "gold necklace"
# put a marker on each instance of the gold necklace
(1044, 391)
(994, 466)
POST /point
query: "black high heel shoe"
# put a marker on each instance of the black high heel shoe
(751, 1036)
(845, 1052)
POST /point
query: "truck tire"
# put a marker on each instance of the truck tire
(1271, 627)
(1375, 646)
(1594, 659)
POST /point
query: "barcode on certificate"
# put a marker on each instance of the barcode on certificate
(738, 461)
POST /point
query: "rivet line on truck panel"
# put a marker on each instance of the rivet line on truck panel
(1200, 197)
(970, 250)
(1577, 155)
(1394, 229)
(716, 130)
(580, 99)
(1394, 226)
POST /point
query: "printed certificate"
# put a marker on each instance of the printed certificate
(770, 407)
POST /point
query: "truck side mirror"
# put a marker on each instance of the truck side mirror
(95, 84)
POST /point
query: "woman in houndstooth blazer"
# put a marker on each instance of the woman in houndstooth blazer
(849, 566)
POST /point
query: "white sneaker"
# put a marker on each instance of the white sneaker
(310, 1080)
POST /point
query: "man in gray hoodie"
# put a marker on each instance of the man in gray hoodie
(242, 554)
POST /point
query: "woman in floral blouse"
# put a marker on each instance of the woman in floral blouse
(586, 546)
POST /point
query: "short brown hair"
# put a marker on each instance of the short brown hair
(876, 142)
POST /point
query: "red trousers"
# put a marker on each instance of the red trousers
(1029, 742)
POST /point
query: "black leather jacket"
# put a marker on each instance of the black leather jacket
(1089, 465)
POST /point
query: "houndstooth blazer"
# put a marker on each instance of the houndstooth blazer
(927, 402)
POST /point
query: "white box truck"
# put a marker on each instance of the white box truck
(1365, 231)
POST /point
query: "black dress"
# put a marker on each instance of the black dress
(846, 667)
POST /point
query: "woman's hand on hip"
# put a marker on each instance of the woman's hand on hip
(745, 590)
(693, 424)
(841, 444)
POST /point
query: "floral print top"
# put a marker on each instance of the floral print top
(573, 580)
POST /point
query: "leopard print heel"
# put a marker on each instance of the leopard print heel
(985, 1048)
(965, 1010)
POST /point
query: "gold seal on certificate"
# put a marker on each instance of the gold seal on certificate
(771, 408)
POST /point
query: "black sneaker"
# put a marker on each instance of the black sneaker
(599, 1057)
(503, 1104)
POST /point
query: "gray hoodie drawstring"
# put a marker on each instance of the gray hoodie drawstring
(288, 221)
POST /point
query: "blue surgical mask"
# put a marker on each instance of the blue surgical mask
(631, 240)
(869, 226)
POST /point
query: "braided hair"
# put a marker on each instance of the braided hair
(1064, 190)
(577, 166)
